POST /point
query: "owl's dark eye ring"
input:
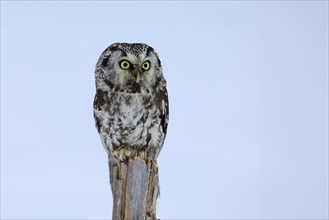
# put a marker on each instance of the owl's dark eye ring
(124, 64)
(146, 65)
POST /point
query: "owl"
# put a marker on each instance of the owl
(131, 107)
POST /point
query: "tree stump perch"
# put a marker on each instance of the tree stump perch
(135, 190)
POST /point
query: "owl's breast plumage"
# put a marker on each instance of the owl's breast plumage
(130, 120)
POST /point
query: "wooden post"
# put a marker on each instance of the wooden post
(135, 190)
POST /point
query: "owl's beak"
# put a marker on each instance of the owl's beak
(138, 77)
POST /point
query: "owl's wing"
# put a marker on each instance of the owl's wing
(163, 105)
(99, 104)
(97, 120)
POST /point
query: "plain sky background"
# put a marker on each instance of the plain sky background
(248, 87)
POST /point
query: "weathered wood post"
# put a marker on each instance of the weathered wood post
(135, 190)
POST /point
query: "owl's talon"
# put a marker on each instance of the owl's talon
(124, 154)
(154, 166)
(142, 155)
(125, 160)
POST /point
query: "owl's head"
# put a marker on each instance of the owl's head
(131, 68)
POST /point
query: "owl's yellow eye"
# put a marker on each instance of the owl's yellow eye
(124, 64)
(146, 65)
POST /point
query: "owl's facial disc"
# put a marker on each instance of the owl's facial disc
(130, 68)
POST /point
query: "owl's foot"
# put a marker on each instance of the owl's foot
(124, 154)
(154, 166)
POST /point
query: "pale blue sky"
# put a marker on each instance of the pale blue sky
(248, 86)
